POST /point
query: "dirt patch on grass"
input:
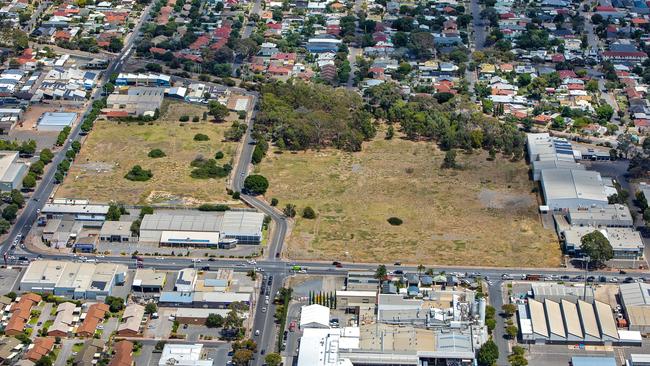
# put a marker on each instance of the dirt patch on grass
(483, 214)
(113, 148)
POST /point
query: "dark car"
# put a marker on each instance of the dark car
(205, 268)
(398, 263)
(628, 280)
(211, 260)
(262, 352)
(335, 263)
(602, 279)
(622, 272)
(591, 279)
(277, 255)
(398, 272)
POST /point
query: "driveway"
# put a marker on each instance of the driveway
(66, 352)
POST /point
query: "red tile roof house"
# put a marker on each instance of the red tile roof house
(542, 119)
(643, 125)
(199, 43)
(20, 313)
(94, 316)
(278, 70)
(42, 346)
(123, 354)
(565, 74)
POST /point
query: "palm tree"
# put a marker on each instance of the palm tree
(421, 269)
(381, 273)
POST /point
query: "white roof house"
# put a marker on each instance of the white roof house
(314, 316)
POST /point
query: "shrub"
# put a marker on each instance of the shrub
(236, 195)
(184, 118)
(308, 213)
(195, 119)
(201, 137)
(137, 174)
(205, 169)
(395, 221)
(218, 155)
(274, 201)
(211, 207)
(156, 153)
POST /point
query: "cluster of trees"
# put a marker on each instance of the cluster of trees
(640, 163)
(115, 211)
(299, 116)
(115, 303)
(139, 174)
(27, 148)
(9, 212)
(453, 125)
(90, 118)
(208, 168)
(235, 132)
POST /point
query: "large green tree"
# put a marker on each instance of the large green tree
(488, 353)
(597, 247)
(256, 184)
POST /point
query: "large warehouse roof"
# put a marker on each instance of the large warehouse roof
(59, 119)
(79, 276)
(182, 221)
(573, 184)
(314, 315)
(242, 222)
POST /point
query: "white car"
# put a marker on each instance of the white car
(264, 309)
(257, 332)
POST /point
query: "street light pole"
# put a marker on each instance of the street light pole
(586, 262)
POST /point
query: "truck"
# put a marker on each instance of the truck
(533, 277)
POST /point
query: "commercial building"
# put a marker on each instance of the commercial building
(635, 298)
(608, 215)
(55, 121)
(73, 280)
(314, 316)
(543, 147)
(186, 280)
(143, 80)
(567, 322)
(626, 242)
(11, 171)
(80, 210)
(361, 281)
(138, 101)
(9, 117)
(539, 165)
(215, 300)
(593, 361)
(184, 355)
(116, 232)
(194, 228)
(558, 292)
(148, 280)
(638, 359)
(570, 189)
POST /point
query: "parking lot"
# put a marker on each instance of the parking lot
(9, 279)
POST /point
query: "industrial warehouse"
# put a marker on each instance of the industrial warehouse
(12, 172)
(569, 322)
(73, 280)
(579, 199)
(202, 229)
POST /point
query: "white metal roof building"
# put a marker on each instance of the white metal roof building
(11, 171)
(608, 215)
(314, 316)
(73, 280)
(567, 189)
(638, 359)
(244, 226)
(541, 146)
(183, 355)
(635, 298)
(80, 211)
(56, 121)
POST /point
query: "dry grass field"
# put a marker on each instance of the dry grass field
(484, 214)
(112, 148)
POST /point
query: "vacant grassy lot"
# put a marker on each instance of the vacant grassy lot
(112, 148)
(484, 214)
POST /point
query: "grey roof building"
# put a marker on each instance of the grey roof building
(138, 101)
(11, 171)
(570, 188)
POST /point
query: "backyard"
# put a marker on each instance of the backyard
(483, 214)
(113, 148)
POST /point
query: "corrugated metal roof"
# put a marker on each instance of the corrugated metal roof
(571, 319)
(554, 315)
(538, 317)
(606, 319)
(182, 222)
(588, 317)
